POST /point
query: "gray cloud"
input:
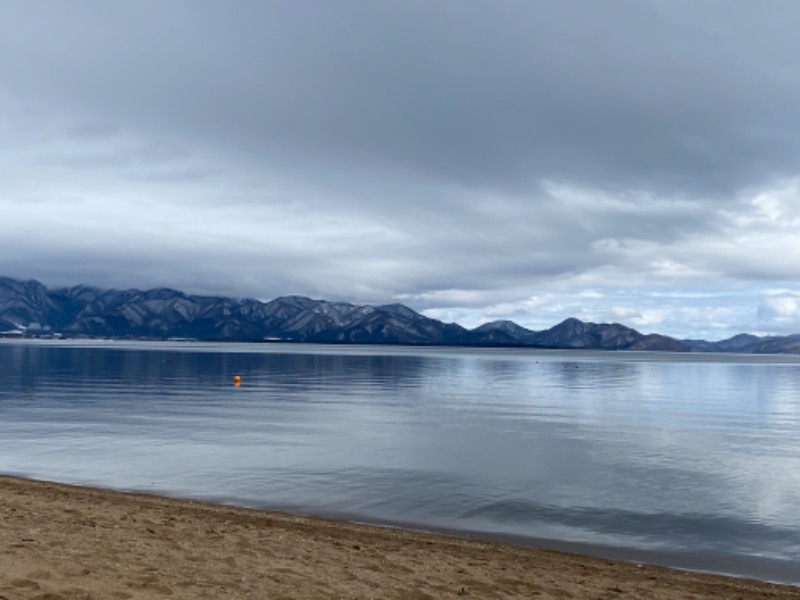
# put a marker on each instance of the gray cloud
(623, 94)
(475, 159)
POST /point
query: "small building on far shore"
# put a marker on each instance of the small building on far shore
(13, 334)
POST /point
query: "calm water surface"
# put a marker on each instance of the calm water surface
(684, 460)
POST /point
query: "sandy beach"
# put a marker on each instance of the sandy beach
(64, 542)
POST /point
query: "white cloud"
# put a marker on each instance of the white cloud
(779, 312)
(625, 313)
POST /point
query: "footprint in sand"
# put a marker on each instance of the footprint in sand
(25, 584)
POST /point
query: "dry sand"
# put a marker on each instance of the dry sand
(63, 542)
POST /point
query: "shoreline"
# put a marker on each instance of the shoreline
(357, 348)
(768, 570)
(63, 541)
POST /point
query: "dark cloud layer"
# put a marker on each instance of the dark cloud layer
(675, 97)
(469, 157)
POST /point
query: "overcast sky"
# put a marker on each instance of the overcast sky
(635, 161)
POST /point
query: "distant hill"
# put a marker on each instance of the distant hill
(745, 343)
(737, 343)
(573, 333)
(163, 313)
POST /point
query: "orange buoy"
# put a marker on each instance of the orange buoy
(237, 380)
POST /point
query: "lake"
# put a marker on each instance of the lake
(681, 460)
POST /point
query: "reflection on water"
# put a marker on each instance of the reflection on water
(675, 454)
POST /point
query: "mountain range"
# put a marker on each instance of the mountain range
(28, 308)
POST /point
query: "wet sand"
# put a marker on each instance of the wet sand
(61, 542)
